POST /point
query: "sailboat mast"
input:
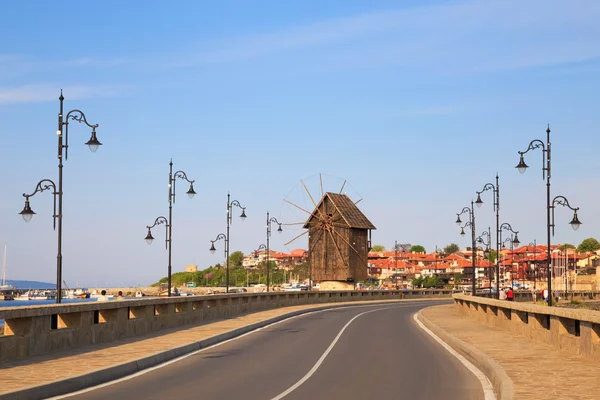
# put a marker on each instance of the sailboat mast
(4, 267)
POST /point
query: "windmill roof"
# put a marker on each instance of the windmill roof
(347, 209)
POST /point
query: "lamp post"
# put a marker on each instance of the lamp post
(213, 249)
(93, 144)
(230, 205)
(496, 191)
(262, 247)
(403, 248)
(169, 222)
(534, 244)
(269, 220)
(546, 173)
(514, 241)
(487, 243)
(575, 224)
(470, 223)
(149, 238)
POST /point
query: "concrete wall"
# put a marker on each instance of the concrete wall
(568, 329)
(30, 331)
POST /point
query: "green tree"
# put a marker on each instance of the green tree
(492, 256)
(235, 259)
(417, 282)
(450, 249)
(589, 244)
(431, 282)
(417, 249)
(458, 277)
(565, 246)
(377, 248)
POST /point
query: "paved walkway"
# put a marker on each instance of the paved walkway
(538, 371)
(40, 370)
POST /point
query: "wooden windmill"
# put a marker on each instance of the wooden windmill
(339, 238)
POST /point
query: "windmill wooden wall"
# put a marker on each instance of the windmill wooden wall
(338, 240)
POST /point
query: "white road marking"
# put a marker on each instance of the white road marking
(320, 361)
(488, 390)
(145, 371)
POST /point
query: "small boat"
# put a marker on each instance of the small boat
(24, 296)
(6, 297)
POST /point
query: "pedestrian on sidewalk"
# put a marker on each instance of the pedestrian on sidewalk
(510, 295)
(545, 295)
(103, 296)
(502, 294)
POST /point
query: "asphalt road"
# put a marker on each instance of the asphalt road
(381, 354)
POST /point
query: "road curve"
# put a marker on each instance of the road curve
(381, 353)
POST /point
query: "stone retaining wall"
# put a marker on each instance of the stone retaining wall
(36, 330)
(568, 329)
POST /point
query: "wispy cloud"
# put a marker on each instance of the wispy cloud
(12, 65)
(462, 36)
(50, 92)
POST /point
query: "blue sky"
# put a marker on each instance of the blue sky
(417, 104)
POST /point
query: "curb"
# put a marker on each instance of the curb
(105, 375)
(501, 382)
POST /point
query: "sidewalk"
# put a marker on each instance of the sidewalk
(103, 359)
(537, 370)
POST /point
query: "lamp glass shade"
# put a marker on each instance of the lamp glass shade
(212, 248)
(191, 193)
(27, 216)
(279, 229)
(458, 221)
(243, 216)
(462, 232)
(575, 223)
(522, 167)
(479, 202)
(93, 143)
(516, 241)
(149, 237)
(27, 213)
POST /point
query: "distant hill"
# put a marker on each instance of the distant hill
(31, 284)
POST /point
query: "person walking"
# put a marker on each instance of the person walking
(510, 295)
(103, 296)
(545, 295)
(502, 294)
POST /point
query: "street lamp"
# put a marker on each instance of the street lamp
(230, 205)
(575, 223)
(262, 247)
(269, 221)
(514, 242)
(213, 249)
(496, 191)
(403, 248)
(93, 144)
(546, 173)
(470, 223)
(169, 222)
(487, 243)
(534, 244)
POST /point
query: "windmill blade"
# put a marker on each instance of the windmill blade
(344, 184)
(337, 247)
(309, 195)
(320, 233)
(298, 207)
(348, 243)
(293, 223)
(359, 200)
(313, 200)
(321, 179)
(297, 237)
